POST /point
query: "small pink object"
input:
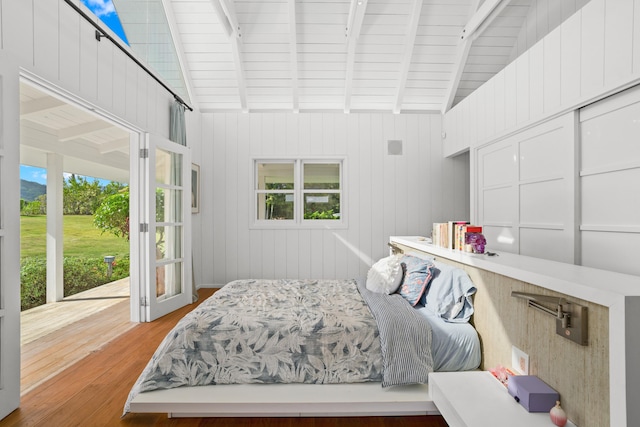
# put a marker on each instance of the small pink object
(558, 416)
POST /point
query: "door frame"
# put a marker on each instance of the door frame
(9, 234)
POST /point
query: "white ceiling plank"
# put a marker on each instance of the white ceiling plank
(39, 105)
(179, 46)
(84, 129)
(408, 53)
(293, 47)
(352, 32)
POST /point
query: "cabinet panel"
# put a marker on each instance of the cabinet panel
(611, 198)
(500, 238)
(611, 251)
(546, 243)
(498, 205)
(498, 166)
(611, 138)
(542, 156)
(543, 203)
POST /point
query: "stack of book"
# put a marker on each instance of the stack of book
(451, 234)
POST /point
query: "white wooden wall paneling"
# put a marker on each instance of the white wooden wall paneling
(231, 203)
(535, 81)
(437, 191)
(45, 23)
(105, 96)
(207, 148)
(593, 47)
(119, 98)
(89, 64)
(552, 70)
(591, 54)
(570, 49)
(352, 175)
(69, 54)
(244, 180)
(194, 124)
(618, 41)
(635, 37)
(360, 132)
(17, 30)
(522, 82)
(219, 187)
(389, 176)
(383, 194)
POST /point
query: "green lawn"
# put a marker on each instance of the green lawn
(81, 238)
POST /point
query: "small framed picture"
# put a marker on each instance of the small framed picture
(195, 188)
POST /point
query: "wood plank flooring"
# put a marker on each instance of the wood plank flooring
(55, 336)
(92, 392)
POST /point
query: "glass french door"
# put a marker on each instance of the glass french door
(9, 237)
(166, 229)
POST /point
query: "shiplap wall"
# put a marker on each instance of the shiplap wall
(384, 195)
(543, 17)
(53, 42)
(594, 53)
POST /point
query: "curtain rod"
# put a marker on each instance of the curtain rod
(100, 33)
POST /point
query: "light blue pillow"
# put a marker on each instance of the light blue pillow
(417, 276)
(450, 294)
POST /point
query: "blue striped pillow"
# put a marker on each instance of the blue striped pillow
(418, 275)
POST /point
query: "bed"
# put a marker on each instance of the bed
(315, 347)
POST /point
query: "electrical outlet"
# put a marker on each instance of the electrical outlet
(519, 360)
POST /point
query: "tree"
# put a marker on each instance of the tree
(113, 214)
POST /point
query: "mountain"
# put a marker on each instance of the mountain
(30, 190)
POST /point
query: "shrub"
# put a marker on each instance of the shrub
(80, 274)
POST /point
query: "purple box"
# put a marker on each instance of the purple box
(532, 393)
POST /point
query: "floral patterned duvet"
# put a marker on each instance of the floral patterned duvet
(270, 331)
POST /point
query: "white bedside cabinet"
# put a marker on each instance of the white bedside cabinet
(477, 399)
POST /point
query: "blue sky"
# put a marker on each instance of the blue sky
(104, 10)
(39, 175)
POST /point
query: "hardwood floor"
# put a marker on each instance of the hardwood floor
(54, 336)
(92, 392)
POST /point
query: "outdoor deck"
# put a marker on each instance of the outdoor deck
(54, 336)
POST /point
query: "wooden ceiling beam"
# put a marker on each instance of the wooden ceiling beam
(227, 16)
(408, 54)
(82, 130)
(478, 23)
(357, 11)
(114, 145)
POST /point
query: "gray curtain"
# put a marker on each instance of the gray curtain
(178, 134)
(177, 128)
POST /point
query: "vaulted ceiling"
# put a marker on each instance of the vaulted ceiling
(293, 55)
(312, 55)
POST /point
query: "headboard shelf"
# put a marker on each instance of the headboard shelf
(599, 383)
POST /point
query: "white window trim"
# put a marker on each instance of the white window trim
(298, 221)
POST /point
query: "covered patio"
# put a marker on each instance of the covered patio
(56, 335)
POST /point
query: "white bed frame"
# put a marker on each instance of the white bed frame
(287, 400)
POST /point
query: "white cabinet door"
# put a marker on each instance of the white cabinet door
(9, 237)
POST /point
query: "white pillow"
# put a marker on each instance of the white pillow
(385, 275)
